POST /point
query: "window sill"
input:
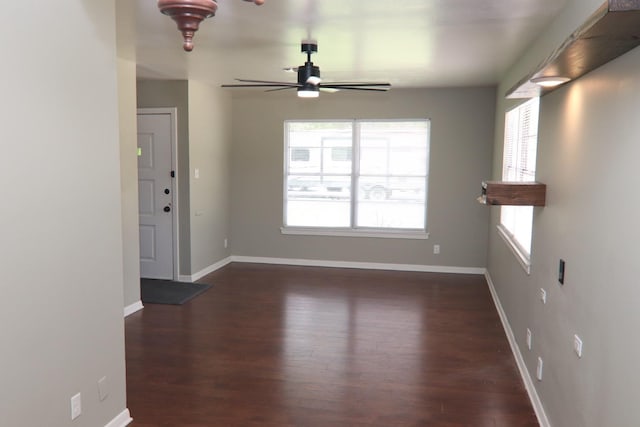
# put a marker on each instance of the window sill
(392, 234)
(523, 259)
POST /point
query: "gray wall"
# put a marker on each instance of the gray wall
(175, 94)
(204, 137)
(129, 180)
(461, 140)
(60, 225)
(125, 17)
(587, 155)
(209, 148)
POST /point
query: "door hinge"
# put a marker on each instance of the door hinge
(173, 174)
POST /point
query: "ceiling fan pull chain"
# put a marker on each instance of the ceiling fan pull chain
(189, 13)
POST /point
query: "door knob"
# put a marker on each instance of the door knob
(166, 191)
(167, 209)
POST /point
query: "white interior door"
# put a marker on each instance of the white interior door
(155, 193)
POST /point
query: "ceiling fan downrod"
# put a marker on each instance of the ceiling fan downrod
(309, 73)
(189, 13)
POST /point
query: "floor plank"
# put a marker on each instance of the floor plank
(306, 346)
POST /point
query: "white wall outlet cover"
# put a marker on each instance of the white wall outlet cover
(577, 345)
(543, 296)
(103, 388)
(76, 406)
(196, 173)
(539, 369)
(436, 249)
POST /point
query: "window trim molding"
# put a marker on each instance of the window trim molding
(523, 259)
(356, 232)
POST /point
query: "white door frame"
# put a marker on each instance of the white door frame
(173, 114)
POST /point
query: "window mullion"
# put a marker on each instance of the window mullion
(355, 170)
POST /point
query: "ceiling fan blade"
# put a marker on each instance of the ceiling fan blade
(334, 84)
(269, 82)
(280, 88)
(329, 89)
(358, 88)
(261, 85)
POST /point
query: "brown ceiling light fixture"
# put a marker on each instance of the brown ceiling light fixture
(189, 13)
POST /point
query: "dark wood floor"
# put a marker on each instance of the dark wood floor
(301, 346)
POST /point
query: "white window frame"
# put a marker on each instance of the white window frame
(514, 170)
(353, 231)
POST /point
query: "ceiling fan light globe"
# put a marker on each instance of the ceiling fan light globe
(308, 93)
(314, 80)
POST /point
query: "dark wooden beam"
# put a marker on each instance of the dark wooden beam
(513, 193)
(611, 31)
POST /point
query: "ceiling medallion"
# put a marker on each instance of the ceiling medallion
(189, 13)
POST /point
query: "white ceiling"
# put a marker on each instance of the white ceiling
(409, 43)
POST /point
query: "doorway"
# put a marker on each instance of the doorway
(157, 193)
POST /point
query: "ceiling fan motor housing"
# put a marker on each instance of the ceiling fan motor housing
(304, 73)
(307, 70)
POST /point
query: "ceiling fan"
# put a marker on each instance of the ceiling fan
(309, 83)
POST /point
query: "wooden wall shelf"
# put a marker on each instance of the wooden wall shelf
(513, 193)
(611, 31)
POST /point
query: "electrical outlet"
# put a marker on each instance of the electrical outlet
(196, 173)
(529, 338)
(539, 369)
(577, 345)
(76, 406)
(103, 388)
(436, 249)
(543, 296)
(226, 243)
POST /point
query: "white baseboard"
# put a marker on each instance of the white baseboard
(524, 372)
(335, 264)
(132, 308)
(122, 420)
(359, 265)
(210, 269)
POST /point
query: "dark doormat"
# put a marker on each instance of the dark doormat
(155, 291)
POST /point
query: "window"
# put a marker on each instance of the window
(360, 177)
(519, 164)
(341, 154)
(300, 155)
